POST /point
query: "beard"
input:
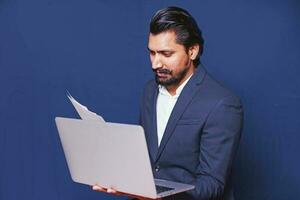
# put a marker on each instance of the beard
(172, 80)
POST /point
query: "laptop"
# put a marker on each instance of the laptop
(112, 155)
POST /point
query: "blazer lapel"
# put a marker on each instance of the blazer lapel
(183, 101)
(152, 132)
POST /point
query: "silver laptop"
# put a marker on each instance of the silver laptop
(112, 155)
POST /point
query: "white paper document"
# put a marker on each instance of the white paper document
(83, 111)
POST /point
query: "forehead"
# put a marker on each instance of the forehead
(164, 41)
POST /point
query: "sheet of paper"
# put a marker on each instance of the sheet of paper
(83, 111)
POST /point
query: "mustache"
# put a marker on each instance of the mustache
(163, 71)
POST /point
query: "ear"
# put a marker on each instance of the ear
(193, 51)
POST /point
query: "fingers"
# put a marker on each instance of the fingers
(111, 190)
(102, 189)
(98, 188)
(115, 192)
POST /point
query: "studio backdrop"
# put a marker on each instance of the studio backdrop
(97, 50)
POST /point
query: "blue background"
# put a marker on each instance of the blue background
(97, 50)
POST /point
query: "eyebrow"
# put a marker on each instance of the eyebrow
(162, 51)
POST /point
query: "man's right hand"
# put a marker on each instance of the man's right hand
(115, 192)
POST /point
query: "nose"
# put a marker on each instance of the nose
(156, 62)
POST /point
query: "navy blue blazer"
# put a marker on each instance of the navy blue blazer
(200, 139)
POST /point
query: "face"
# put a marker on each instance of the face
(171, 62)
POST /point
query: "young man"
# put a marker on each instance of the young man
(192, 123)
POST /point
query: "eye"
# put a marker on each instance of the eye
(167, 54)
(152, 53)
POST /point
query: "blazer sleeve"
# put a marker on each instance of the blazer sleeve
(219, 141)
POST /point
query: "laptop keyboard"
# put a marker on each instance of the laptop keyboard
(160, 189)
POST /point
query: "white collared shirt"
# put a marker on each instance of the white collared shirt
(164, 106)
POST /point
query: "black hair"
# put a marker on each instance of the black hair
(182, 23)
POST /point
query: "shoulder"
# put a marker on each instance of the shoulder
(217, 91)
(211, 94)
(150, 85)
(149, 88)
(149, 91)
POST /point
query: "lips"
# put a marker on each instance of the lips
(161, 75)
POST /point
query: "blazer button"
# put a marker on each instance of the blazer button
(157, 168)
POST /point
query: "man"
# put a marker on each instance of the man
(192, 123)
